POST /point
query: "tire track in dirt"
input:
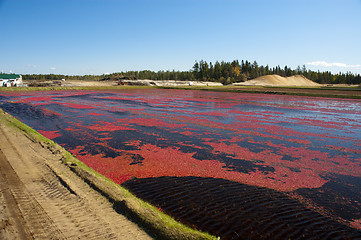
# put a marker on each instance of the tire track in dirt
(32, 221)
(43, 199)
(74, 215)
(13, 224)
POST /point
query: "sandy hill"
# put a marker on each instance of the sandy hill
(276, 80)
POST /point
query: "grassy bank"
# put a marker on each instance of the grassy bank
(26, 89)
(352, 93)
(149, 217)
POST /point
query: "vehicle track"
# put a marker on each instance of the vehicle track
(31, 220)
(43, 199)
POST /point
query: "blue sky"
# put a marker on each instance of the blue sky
(79, 37)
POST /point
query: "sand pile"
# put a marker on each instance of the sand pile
(276, 80)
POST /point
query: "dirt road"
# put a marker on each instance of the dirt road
(41, 198)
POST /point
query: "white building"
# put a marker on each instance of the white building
(8, 80)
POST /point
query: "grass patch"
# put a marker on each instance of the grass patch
(319, 92)
(31, 133)
(154, 221)
(59, 88)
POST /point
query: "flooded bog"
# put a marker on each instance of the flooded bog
(250, 161)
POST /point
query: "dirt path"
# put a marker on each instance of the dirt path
(41, 198)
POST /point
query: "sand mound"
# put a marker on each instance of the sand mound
(276, 80)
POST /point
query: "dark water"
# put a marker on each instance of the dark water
(237, 211)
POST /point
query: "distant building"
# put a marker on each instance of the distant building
(8, 80)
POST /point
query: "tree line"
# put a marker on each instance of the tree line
(230, 72)
(224, 72)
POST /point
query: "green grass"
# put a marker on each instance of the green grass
(13, 122)
(276, 91)
(163, 225)
(25, 89)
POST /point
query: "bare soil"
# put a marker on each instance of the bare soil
(41, 198)
(82, 83)
(276, 80)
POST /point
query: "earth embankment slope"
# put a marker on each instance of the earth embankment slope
(276, 80)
